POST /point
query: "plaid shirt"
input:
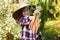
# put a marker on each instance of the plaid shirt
(26, 32)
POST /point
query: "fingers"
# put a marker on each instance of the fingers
(39, 8)
(36, 12)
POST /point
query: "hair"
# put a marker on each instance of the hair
(17, 14)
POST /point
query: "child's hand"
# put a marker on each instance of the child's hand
(37, 11)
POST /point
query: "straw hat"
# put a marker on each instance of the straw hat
(18, 13)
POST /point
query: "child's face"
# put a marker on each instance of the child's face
(25, 11)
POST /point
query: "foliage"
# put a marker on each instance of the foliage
(7, 23)
(51, 32)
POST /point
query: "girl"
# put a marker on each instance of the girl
(22, 18)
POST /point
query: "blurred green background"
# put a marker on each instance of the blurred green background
(50, 19)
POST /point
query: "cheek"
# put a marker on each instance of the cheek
(24, 13)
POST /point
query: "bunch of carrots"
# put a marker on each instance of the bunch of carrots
(34, 25)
